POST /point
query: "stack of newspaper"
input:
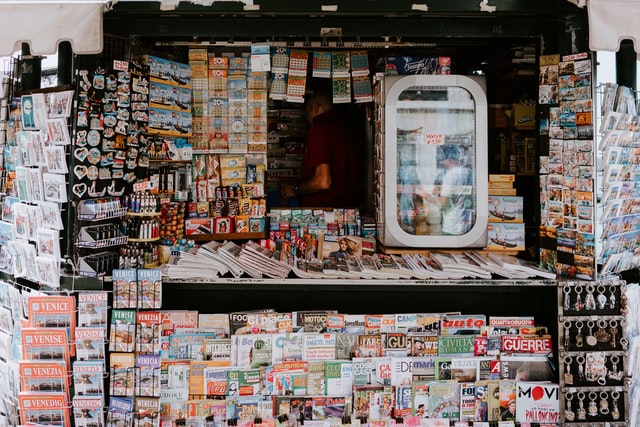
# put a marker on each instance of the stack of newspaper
(216, 259)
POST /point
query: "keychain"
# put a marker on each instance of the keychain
(593, 407)
(567, 337)
(613, 327)
(582, 413)
(579, 339)
(567, 297)
(568, 377)
(569, 415)
(612, 297)
(601, 334)
(589, 300)
(580, 360)
(578, 305)
(615, 412)
(591, 340)
(604, 403)
(602, 298)
(614, 374)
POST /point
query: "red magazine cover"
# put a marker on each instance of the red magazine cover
(45, 344)
(44, 408)
(41, 375)
(54, 311)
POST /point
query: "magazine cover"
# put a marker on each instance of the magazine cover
(122, 330)
(197, 380)
(40, 375)
(90, 343)
(88, 378)
(147, 411)
(120, 411)
(125, 288)
(420, 398)
(121, 374)
(538, 403)
(362, 398)
(45, 343)
(338, 376)
(148, 330)
(92, 309)
(88, 411)
(147, 380)
(44, 408)
(444, 401)
(149, 288)
(172, 319)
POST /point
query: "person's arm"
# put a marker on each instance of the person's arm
(320, 181)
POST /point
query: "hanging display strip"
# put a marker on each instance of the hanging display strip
(567, 171)
(594, 350)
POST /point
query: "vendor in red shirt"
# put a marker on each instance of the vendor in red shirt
(329, 167)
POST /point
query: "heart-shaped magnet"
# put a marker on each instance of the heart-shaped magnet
(80, 171)
(81, 153)
(80, 189)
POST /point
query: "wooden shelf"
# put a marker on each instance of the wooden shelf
(226, 236)
(145, 214)
(155, 239)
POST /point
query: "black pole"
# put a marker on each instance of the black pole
(65, 63)
(626, 58)
(30, 68)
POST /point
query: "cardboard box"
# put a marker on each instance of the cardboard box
(502, 191)
(508, 177)
(506, 209)
(524, 117)
(198, 226)
(505, 236)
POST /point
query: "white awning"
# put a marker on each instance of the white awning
(611, 21)
(43, 24)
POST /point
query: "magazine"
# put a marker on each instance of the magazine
(149, 288)
(88, 378)
(43, 376)
(121, 374)
(122, 330)
(44, 408)
(148, 331)
(54, 311)
(88, 411)
(93, 309)
(90, 343)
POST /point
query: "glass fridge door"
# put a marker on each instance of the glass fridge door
(436, 147)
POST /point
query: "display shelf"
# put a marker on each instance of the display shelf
(226, 236)
(87, 239)
(168, 161)
(382, 285)
(86, 214)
